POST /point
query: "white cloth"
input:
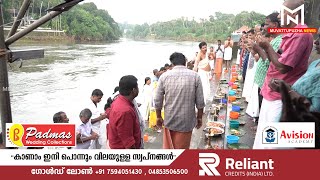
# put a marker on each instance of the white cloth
(146, 101)
(203, 63)
(98, 127)
(95, 113)
(205, 80)
(253, 105)
(228, 53)
(154, 86)
(85, 131)
(219, 54)
(248, 84)
(204, 76)
(141, 121)
(211, 63)
(238, 57)
(269, 112)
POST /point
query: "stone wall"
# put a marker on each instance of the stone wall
(44, 36)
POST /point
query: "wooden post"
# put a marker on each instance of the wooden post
(58, 10)
(17, 21)
(5, 106)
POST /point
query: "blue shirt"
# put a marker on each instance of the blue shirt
(309, 85)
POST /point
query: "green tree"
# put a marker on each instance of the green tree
(217, 26)
(83, 22)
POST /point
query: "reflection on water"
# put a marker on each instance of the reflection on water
(65, 78)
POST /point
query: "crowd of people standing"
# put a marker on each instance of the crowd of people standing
(275, 66)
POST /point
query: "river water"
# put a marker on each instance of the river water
(65, 78)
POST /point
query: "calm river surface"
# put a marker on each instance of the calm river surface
(65, 78)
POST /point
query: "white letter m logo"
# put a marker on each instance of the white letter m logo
(208, 162)
(289, 18)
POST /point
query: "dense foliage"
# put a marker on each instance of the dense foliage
(215, 27)
(83, 22)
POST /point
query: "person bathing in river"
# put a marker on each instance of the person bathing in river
(203, 68)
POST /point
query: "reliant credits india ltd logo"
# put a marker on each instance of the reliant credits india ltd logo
(40, 135)
(208, 163)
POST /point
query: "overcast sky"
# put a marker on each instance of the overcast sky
(150, 11)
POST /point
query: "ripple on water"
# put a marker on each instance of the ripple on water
(65, 78)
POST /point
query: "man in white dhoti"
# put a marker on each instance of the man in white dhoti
(228, 44)
(203, 68)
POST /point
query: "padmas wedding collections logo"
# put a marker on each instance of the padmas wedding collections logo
(40, 135)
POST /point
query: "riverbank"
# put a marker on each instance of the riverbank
(180, 39)
(52, 36)
(209, 42)
(44, 35)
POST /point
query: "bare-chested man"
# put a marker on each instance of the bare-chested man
(228, 44)
(203, 68)
(211, 56)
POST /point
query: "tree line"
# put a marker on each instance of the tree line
(82, 22)
(217, 26)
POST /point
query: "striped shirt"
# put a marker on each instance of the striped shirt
(182, 90)
(262, 66)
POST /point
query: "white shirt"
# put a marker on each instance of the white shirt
(85, 131)
(147, 93)
(141, 122)
(219, 54)
(95, 113)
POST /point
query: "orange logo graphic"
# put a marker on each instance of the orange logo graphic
(16, 132)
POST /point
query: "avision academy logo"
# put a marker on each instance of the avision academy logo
(208, 163)
(288, 134)
(270, 135)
